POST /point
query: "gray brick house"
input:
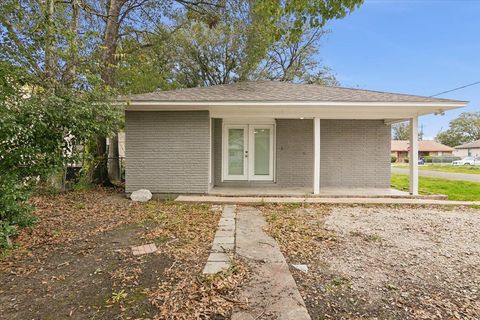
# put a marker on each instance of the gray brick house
(265, 134)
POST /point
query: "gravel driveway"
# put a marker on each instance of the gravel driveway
(425, 254)
(385, 262)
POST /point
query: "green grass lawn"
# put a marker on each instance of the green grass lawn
(454, 189)
(444, 168)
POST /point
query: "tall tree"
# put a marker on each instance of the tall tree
(465, 128)
(108, 76)
(268, 18)
(214, 50)
(43, 116)
(296, 59)
(122, 18)
(401, 131)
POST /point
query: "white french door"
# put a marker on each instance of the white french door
(235, 152)
(248, 152)
(260, 157)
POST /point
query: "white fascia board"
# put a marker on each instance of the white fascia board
(160, 105)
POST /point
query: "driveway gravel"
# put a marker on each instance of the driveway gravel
(384, 262)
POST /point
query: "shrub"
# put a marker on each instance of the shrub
(14, 208)
(393, 159)
(440, 159)
(38, 129)
(406, 160)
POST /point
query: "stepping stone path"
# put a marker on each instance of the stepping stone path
(271, 292)
(223, 244)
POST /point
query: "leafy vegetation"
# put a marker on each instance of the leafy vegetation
(43, 118)
(95, 262)
(465, 128)
(401, 131)
(454, 189)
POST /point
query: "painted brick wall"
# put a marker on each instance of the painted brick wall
(167, 151)
(294, 152)
(354, 153)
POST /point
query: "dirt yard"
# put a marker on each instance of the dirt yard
(383, 262)
(77, 262)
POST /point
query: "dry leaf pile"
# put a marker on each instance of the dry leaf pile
(70, 217)
(187, 232)
(298, 230)
(78, 257)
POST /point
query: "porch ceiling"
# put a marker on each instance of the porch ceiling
(328, 112)
(390, 111)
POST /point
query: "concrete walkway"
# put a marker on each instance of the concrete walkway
(262, 200)
(271, 292)
(442, 175)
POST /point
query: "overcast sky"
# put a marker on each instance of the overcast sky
(410, 46)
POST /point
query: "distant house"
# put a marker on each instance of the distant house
(426, 148)
(471, 149)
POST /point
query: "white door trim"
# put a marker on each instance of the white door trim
(225, 152)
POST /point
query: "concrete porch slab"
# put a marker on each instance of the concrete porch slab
(355, 192)
(325, 192)
(252, 191)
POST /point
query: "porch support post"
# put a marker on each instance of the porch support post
(413, 161)
(316, 157)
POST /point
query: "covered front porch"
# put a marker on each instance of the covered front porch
(304, 156)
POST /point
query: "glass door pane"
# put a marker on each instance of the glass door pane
(261, 141)
(236, 149)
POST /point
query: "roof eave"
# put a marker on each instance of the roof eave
(443, 104)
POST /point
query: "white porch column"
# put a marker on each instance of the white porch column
(413, 161)
(316, 157)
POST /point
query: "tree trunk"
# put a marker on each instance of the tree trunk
(49, 40)
(114, 160)
(69, 77)
(100, 174)
(100, 171)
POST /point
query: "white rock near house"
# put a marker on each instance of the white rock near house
(142, 195)
(301, 267)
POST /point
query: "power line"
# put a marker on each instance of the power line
(462, 87)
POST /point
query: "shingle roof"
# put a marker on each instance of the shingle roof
(474, 144)
(272, 91)
(423, 145)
